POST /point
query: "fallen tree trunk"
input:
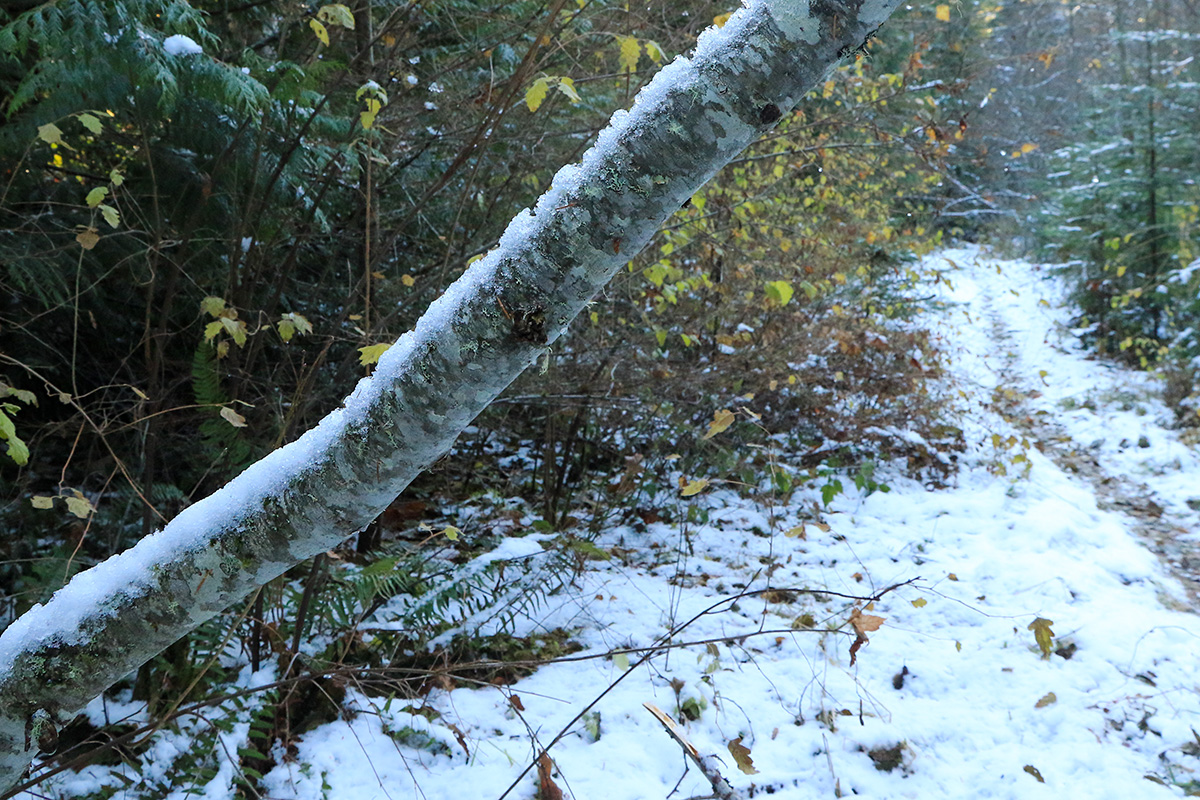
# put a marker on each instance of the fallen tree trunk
(693, 118)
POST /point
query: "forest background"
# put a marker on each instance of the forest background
(216, 215)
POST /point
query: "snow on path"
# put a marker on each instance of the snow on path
(952, 693)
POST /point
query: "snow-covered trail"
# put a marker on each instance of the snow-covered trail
(952, 696)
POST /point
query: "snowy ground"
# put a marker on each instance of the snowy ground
(952, 696)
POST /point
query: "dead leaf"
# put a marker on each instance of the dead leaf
(694, 487)
(862, 624)
(1048, 699)
(547, 788)
(232, 417)
(1032, 770)
(720, 423)
(87, 238)
(741, 756)
(515, 702)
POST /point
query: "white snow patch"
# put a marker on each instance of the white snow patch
(180, 45)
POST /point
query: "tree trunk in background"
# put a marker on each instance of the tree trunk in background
(472, 342)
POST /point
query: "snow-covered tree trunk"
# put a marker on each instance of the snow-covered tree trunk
(694, 117)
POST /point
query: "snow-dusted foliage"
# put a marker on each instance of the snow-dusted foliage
(488, 327)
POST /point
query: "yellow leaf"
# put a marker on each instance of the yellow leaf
(920, 602)
(79, 505)
(536, 93)
(452, 533)
(320, 31)
(720, 423)
(232, 417)
(694, 488)
(796, 532)
(943, 13)
(211, 330)
(41, 501)
(367, 118)
(654, 51)
(1043, 635)
(621, 661)
(631, 53)
(741, 756)
(721, 19)
(287, 329)
(408, 280)
(780, 291)
(370, 354)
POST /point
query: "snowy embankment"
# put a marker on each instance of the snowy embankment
(952, 696)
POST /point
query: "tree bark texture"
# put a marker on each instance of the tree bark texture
(301, 500)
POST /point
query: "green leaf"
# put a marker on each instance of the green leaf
(96, 196)
(780, 291)
(336, 14)
(809, 289)
(17, 450)
(654, 51)
(115, 177)
(91, 123)
(536, 93)
(212, 305)
(211, 330)
(370, 354)
(111, 215)
(621, 661)
(320, 31)
(830, 491)
(287, 329)
(50, 133)
(452, 533)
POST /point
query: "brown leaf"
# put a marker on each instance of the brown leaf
(741, 756)
(1032, 770)
(515, 702)
(547, 788)
(864, 623)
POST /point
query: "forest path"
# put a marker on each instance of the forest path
(1095, 419)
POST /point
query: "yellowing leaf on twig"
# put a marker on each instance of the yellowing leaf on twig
(50, 133)
(42, 501)
(694, 487)
(336, 14)
(79, 505)
(536, 93)
(943, 12)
